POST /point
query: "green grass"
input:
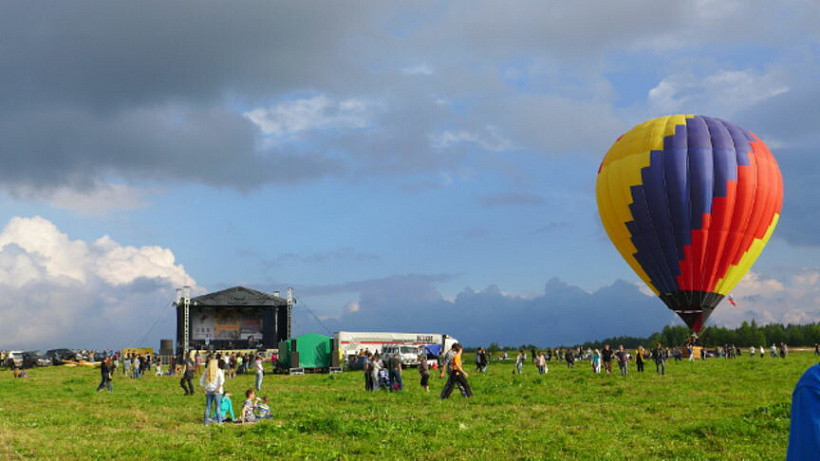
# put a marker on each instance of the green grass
(718, 409)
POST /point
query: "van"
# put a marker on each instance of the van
(409, 355)
(16, 357)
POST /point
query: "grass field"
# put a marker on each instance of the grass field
(718, 409)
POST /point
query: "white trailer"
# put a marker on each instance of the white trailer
(352, 342)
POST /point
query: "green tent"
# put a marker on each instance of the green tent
(314, 351)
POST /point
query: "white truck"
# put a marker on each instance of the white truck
(407, 345)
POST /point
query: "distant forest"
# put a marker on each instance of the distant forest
(747, 334)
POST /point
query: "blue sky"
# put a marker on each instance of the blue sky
(426, 158)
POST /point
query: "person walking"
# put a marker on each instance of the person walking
(596, 361)
(105, 374)
(659, 356)
(639, 356)
(623, 359)
(424, 372)
(519, 361)
(606, 357)
(186, 381)
(260, 372)
(541, 363)
(458, 377)
(211, 383)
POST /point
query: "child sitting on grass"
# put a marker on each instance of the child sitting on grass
(248, 406)
(227, 407)
(263, 409)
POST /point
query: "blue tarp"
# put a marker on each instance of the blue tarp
(433, 349)
(804, 437)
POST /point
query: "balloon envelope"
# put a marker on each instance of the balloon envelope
(689, 202)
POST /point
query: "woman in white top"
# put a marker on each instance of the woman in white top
(211, 383)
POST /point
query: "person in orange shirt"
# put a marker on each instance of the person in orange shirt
(457, 376)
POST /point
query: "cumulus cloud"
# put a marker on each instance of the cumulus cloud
(58, 292)
(723, 92)
(795, 299)
(316, 113)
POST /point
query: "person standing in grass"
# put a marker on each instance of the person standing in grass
(424, 372)
(596, 361)
(126, 365)
(458, 377)
(541, 363)
(105, 374)
(623, 359)
(186, 381)
(260, 372)
(367, 367)
(519, 361)
(639, 356)
(606, 357)
(394, 372)
(211, 383)
(659, 356)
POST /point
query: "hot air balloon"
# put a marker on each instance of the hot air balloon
(689, 201)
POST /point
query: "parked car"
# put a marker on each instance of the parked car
(16, 357)
(58, 356)
(33, 359)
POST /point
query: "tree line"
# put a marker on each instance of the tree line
(747, 334)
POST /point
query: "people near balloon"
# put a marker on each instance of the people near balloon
(689, 201)
(784, 350)
(606, 358)
(640, 354)
(762, 352)
(457, 376)
(659, 357)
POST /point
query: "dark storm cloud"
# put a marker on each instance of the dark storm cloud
(98, 89)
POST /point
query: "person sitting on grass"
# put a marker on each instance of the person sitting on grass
(263, 409)
(248, 406)
(226, 405)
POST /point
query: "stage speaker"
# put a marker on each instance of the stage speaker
(294, 359)
(293, 345)
(334, 353)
